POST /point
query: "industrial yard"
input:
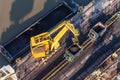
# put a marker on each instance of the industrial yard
(70, 41)
(108, 69)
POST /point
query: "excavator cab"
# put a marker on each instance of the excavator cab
(40, 45)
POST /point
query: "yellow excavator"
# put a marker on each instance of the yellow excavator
(44, 44)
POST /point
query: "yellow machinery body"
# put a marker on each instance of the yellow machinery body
(43, 44)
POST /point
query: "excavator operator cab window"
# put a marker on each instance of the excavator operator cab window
(36, 40)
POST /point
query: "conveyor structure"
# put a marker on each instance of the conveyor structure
(96, 32)
(75, 49)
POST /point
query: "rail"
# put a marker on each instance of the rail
(110, 21)
(55, 70)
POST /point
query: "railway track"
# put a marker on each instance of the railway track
(55, 70)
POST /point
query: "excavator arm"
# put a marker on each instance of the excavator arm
(66, 27)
